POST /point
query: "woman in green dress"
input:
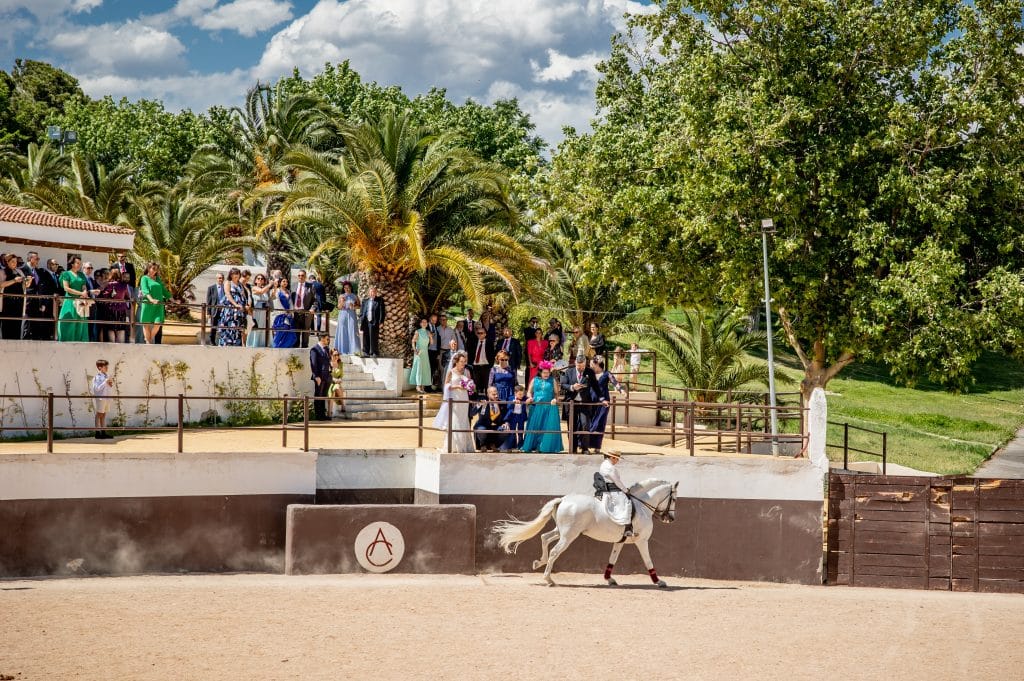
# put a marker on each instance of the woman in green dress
(72, 326)
(152, 295)
(420, 374)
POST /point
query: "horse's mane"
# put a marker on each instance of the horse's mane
(647, 485)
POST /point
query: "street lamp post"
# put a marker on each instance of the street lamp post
(768, 227)
(61, 137)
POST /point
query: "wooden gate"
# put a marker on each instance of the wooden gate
(960, 534)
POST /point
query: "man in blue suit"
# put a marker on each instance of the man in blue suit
(320, 368)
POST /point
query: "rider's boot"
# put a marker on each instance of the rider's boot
(629, 531)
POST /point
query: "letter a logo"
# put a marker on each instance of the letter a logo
(379, 547)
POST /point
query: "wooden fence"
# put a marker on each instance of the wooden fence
(959, 534)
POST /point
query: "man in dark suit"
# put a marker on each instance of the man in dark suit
(320, 368)
(371, 318)
(126, 269)
(512, 347)
(213, 293)
(38, 282)
(434, 349)
(530, 330)
(491, 417)
(481, 359)
(576, 383)
(302, 303)
(319, 304)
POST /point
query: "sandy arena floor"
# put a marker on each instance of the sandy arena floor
(496, 627)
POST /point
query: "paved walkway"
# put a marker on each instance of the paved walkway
(1008, 462)
(391, 434)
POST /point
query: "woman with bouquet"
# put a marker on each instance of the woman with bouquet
(458, 386)
(346, 338)
(543, 395)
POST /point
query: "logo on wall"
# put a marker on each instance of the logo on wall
(379, 547)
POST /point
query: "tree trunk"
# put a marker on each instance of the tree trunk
(817, 371)
(394, 336)
(276, 259)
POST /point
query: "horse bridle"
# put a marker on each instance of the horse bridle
(655, 509)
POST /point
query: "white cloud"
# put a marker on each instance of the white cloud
(563, 67)
(248, 17)
(194, 91)
(48, 8)
(128, 49)
(550, 111)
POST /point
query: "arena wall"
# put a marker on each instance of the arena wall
(135, 513)
(436, 539)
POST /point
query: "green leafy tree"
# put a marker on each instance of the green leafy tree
(141, 134)
(32, 95)
(883, 138)
(389, 203)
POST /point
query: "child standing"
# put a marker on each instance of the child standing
(516, 421)
(100, 389)
(634, 361)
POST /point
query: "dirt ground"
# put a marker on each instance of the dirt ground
(496, 627)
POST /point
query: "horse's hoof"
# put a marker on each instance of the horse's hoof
(612, 582)
(537, 564)
(550, 582)
(662, 584)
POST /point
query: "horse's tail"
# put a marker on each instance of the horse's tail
(511, 533)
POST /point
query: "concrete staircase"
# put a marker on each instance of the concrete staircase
(363, 396)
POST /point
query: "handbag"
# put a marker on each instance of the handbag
(82, 307)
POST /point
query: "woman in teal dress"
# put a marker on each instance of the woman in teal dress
(72, 326)
(543, 395)
(420, 374)
(152, 295)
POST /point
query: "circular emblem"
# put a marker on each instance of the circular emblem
(379, 547)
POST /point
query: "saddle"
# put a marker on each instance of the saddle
(601, 486)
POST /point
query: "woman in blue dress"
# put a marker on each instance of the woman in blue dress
(422, 339)
(232, 311)
(544, 416)
(503, 378)
(346, 338)
(601, 395)
(283, 323)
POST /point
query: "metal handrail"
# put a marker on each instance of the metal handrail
(883, 455)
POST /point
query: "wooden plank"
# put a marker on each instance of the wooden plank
(891, 582)
(938, 583)
(915, 506)
(960, 584)
(890, 480)
(888, 547)
(872, 536)
(1003, 586)
(901, 491)
(1001, 504)
(893, 560)
(1001, 516)
(1001, 529)
(890, 526)
(1013, 489)
(1003, 562)
(1016, 574)
(890, 571)
(893, 513)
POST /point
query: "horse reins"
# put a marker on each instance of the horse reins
(656, 508)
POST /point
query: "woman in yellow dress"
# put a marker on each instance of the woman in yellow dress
(152, 295)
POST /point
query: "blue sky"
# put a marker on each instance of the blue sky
(195, 53)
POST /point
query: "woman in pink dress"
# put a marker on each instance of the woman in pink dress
(535, 354)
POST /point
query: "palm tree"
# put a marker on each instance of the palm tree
(247, 158)
(399, 202)
(706, 351)
(184, 234)
(43, 166)
(88, 192)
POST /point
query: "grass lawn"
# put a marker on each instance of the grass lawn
(928, 428)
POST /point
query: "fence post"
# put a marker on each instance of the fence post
(284, 420)
(181, 421)
(690, 435)
(885, 447)
(132, 310)
(49, 423)
(615, 402)
(202, 324)
(571, 426)
(657, 406)
(305, 423)
(266, 328)
(846, 446)
(739, 428)
(654, 367)
(673, 423)
(450, 406)
(419, 431)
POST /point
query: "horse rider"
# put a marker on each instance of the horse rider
(617, 503)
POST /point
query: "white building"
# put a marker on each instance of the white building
(60, 236)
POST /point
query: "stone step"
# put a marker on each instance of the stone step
(384, 415)
(370, 405)
(366, 393)
(361, 382)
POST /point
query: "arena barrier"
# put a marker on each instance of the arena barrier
(422, 539)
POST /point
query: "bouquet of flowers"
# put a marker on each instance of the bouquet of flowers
(469, 385)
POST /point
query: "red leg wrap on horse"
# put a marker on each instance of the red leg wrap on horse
(653, 574)
(608, 571)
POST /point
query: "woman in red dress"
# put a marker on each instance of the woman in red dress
(535, 354)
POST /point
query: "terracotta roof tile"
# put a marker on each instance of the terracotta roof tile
(28, 216)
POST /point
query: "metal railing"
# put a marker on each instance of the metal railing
(847, 448)
(721, 427)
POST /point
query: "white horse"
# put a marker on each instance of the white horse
(577, 514)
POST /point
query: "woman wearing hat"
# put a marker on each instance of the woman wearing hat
(616, 503)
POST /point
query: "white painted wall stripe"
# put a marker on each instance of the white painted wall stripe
(352, 469)
(96, 476)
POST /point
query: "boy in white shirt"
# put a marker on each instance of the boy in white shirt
(100, 389)
(634, 361)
